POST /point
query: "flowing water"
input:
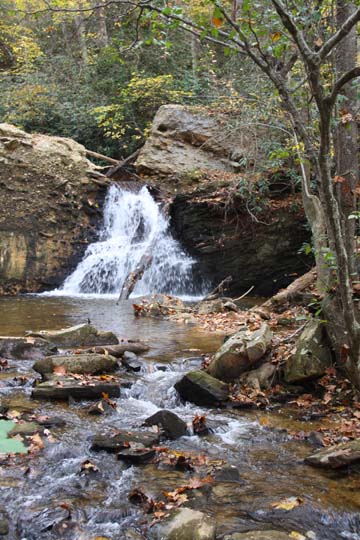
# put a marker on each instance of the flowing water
(47, 497)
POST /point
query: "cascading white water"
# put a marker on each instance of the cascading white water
(133, 224)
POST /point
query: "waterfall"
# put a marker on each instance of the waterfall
(133, 223)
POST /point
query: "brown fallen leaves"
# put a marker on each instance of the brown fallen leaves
(287, 504)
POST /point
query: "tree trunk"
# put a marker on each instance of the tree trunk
(346, 136)
(103, 38)
(81, 33)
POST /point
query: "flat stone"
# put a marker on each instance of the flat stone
(259, 535)
(25, 348)
(187, 524)
(171, 425)
(50, 421)
(335, 457)
(137, 347)
(136, 454)
(228, 473)
(202, 389)
(81, 335)
(4, 527)
(92, 364)
(64, 388)
(24, 428)
(123, 439)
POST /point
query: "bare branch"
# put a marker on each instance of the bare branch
(338, 85)
(340, 34)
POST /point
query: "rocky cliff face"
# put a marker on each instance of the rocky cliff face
(50, 208)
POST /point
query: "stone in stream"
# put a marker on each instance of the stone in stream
(240, 353)
(202, 389)
(136, 454)
(101, 407)
(82, 335)
(130, 361)
(124, 439)
(187, 524)
(91, 364)
(4, 527)
(25, 348)
(312, 356)
(50, 421)
(335, 457)
(25, 428)
(171, 425)
(118, 351)
(63, 388)
(260, 535)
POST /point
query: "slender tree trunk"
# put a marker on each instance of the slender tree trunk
(346, 136)
(103, 38)
(81, 33)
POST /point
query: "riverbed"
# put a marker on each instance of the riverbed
(46, 496)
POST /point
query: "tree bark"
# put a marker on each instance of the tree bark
(81, 33)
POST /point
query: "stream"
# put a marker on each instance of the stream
(46, 496)
(37, 491)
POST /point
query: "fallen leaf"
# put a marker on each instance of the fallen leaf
(59, 370)
(287, 504)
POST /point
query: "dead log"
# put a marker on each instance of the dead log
(135, 276)
(219, 289)
(117, 351)
(121, 164)
(101, 156)
(288, 295)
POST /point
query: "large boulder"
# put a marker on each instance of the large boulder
(187, 524)
(92, 364)
(335, 457)
(240, 352)
(312, 356)
(25, 348)
(200, 388)
(82, 335)
(184, 139)
(50, 206)
(171, 425)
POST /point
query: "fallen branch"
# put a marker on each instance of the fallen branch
(243, 295)
(218, 291)
(121, 164)
(101, 156)
(291, 292)
(135, 276)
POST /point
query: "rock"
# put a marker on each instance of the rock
(239, 353)
(228, 473)
(312, 356)
(100, 408)
(118, 351)
(24, 428)
(136, 454)
(210, 306)
(81, 335)
(259, 378)
(4, 527)
(130, 361)
(171, 425)
(123, 439)
(231, 306)
(41, 240)
(335, 457)
(183, 140)
(92, 364)
(63, 388)
(187, 524)
(28, 348)
(259, 535)
(50, 421)
(202, 389)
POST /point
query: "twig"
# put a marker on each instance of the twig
(245, 294)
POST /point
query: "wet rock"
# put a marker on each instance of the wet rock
(312, 356)
(24, 428)
(335, 457)
(63, 388)
(136, 347)
(4, 527)
(228, 473)
(50, 421)
(136, 454)
(187, 524)
(240, 352)
(130, 361)
(259, 378)
(25, 348)
(171, 425)
(124, 439)
(259, 535)
(50, 517)
(100, 408)
(202, 389)
(81, 335)
(92, 364)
